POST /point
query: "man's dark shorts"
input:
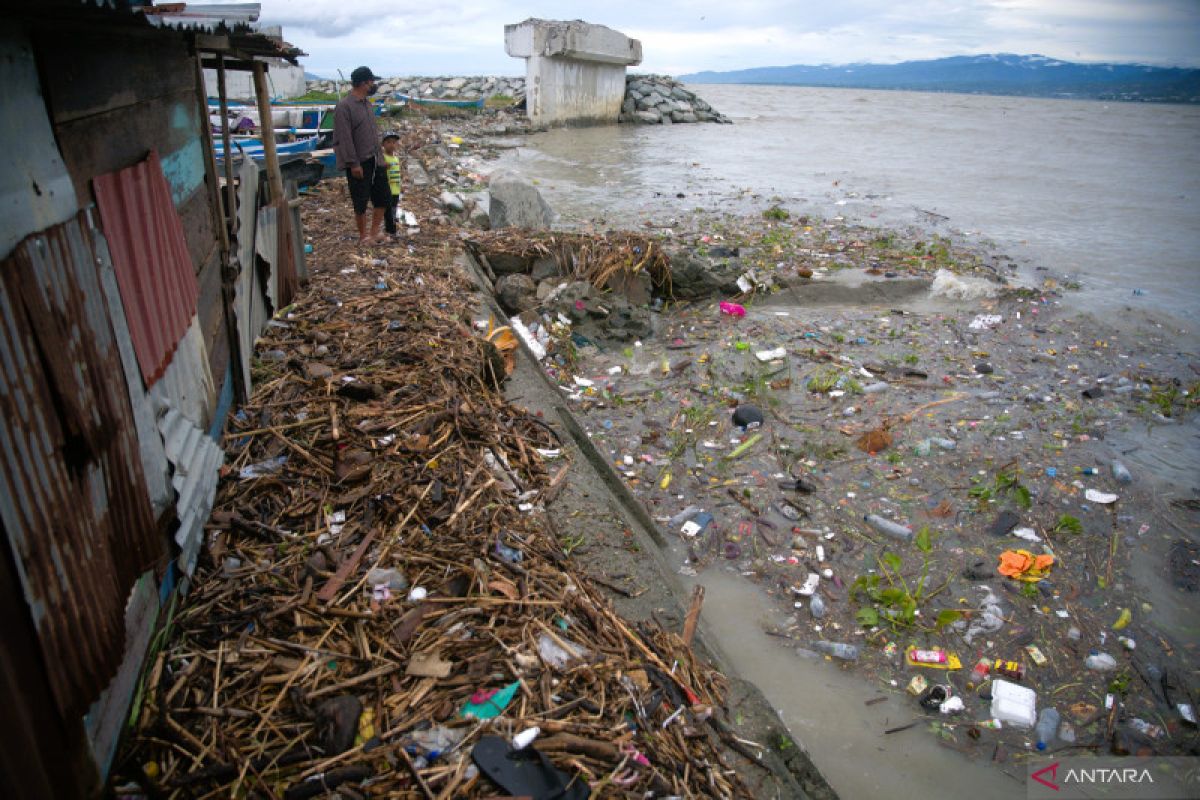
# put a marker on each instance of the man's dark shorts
(372, 186)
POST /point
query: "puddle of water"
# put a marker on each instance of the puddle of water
(824, 709)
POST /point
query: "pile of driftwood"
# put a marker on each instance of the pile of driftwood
(600, 259)
(379, 592)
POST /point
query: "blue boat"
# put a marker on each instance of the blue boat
(253, 147)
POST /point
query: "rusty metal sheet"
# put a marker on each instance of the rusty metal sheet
(155, 275)
(73, 501)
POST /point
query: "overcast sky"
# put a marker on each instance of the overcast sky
(449, 37)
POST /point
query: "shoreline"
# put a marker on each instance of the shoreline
(1140, 333)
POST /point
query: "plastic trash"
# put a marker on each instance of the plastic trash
(923, 447)
(393, 579)
(875, 388)
(489, 703)
(980, 673)
(262, 468)
(1047, 725)
(771, 355)
(525, 738)
(696, 524)
(1066, 732)
(1101, 498)
(747, 416)
(888, 528)
(953, 705)
(817, 606)
(1014, 704)
(945, 444)
(840, 650)
(560, 655)
(732, 309)
(1121, 473)
(1101, 662)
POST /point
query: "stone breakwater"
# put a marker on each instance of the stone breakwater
(649, 99)
(442, 88)
(659, 99)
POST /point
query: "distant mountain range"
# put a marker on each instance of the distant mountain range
(1004, 73)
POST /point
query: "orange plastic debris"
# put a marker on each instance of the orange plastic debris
(1024, 565)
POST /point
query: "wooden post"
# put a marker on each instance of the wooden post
(693, 615)
(285, 270)
(267, 131)
(231, 263)
(229, 269)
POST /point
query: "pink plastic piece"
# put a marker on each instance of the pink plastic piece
(732, 309)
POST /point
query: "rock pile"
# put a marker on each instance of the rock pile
(442, 88)
(655, 99)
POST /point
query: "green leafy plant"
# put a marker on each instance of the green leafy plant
(776, 213)
(1006, 484)
(1068, 524)
(892, 599)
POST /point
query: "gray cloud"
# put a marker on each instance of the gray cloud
(406, 36)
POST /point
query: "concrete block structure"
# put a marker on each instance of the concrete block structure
(574, 71)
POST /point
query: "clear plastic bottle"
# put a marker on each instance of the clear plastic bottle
(889, 528)
(1121, 472)
(817, 606)
(1047, 727)
(842, 650)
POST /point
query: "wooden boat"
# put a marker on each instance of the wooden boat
(434, 103)
(253, 147)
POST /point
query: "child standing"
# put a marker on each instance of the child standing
(391, 157)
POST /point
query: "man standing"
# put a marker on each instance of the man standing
(356, 145)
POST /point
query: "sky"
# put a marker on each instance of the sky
(450, 37)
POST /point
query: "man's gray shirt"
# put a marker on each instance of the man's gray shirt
(355, 137)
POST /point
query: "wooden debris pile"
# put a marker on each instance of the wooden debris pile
(378, 589)
(601, 259)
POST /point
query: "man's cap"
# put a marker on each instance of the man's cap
(390, 135)
(362, 75)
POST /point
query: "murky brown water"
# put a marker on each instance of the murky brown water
(1107, 192)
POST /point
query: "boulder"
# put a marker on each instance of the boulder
(648, 117)
(682, 116)
(545, 267)
(516, 293)
(629, 106)
(478, 216)
(451, 202)
(679, 93)
(516, 203)
(694, 276)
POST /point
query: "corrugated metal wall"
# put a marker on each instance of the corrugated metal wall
(155, 275)
(74, 503)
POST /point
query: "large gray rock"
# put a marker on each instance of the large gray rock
(516, 203)
(516, 293)
(648, 117)
(451, 202)
(694, 275)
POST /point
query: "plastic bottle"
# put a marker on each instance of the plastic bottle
(1121, 472)
(980, 673)
(846, 652)
(1047, 726)
(817, 606)
(874, 388)
(1101, 662)
(945, 444)
(889, 528)
(1066, 732)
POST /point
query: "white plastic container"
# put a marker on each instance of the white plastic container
(1014, 704)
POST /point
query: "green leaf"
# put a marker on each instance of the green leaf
(923, 540)
(947, 616)
(908, 610)
(1024, 500)
(867, 617)
(1069, 524)
(891, 560)
(892, 596)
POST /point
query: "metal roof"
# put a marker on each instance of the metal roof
(73, 502)
(196, 459)
(154, 271)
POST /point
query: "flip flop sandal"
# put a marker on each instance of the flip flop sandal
(526, 772)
